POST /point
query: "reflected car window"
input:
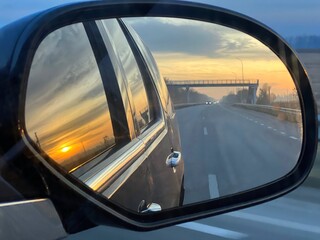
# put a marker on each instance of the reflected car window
(152, 65)
(132, 73)
(67, 114)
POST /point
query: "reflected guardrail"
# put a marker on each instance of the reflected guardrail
(184, 105)
(289, 114)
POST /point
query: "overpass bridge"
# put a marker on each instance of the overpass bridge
(252, 85)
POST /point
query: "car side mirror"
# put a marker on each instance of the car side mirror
(231, 124)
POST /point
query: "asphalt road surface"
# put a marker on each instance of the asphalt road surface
(294, 216)
(227, 149)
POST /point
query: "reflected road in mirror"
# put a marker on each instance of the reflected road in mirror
(236, 104)
(228, 149)
(103, 114)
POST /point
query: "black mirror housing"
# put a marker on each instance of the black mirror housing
(72, 199)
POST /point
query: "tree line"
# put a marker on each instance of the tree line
(180, 95)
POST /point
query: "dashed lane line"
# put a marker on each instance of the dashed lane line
(294, 138)
(269, 127)
(213, 186)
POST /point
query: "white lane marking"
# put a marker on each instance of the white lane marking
(275, 130)
(276, 222)
(283, 133)
(205, 131)
(261, 124)
(213, 186)
(294, 138)
(269, 127)
(221, 232)
(255, 121)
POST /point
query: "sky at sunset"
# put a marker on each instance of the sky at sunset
(193, 50)
(183, 49)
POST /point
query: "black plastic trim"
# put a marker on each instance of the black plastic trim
(153, 99)
(110, 83)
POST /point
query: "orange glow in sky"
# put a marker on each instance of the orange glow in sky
(221, 53)
(267, 69)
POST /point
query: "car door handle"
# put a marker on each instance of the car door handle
(173, 159)
(151, 207)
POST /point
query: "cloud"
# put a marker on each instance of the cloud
(64, 81)
(168, 35)
(75, 128)
(173, 35)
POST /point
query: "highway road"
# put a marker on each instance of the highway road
(228, 149)
(294, 216)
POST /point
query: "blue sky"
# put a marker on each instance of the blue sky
(287, 17)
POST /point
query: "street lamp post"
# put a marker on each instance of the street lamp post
(241, 68)
(235, 76)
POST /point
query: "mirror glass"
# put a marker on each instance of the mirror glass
(156, 113)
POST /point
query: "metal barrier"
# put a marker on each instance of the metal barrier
(184, 105)
(289, 114)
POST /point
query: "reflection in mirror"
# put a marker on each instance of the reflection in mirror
(93, 110)
(67, 113)
(236, 104)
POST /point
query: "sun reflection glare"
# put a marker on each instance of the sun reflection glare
(65, 149)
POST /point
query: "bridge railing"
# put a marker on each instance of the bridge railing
(220, 81)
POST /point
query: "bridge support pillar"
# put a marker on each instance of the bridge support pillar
(255, 95)
(188, 94)
(252, 95)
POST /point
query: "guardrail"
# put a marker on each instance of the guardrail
(289, 114)
(184, 105)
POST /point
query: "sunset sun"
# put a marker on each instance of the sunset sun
(65, 149)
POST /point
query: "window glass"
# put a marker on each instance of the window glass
(152, 65)
(141, 108)
(66, 109)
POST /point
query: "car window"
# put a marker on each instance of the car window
(140, 106)
(66, 110)
(152, 66)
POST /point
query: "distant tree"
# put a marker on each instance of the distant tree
(243, 95)
(240, 97)
(230, 98)
(265, 97)
(182, 95)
